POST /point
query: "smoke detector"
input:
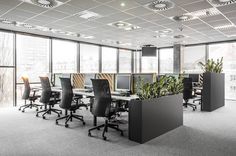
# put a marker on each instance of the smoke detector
(221, 2)
(160, 5)
(179, 36)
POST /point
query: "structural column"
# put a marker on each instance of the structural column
(178, 50)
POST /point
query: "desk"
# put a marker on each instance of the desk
(91, 95)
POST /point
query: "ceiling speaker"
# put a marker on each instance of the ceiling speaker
(221, 2)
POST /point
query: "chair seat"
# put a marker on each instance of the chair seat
(32, 98)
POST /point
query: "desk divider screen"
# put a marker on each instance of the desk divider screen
(78, 80)
(109, 77)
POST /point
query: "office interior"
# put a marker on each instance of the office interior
(95, 48)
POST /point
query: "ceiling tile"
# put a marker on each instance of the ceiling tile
(219, 23)
(176, 11)
(31, 8)
(152, 17)
(199, 5)
(55, 14)
(128, 4)
(135, 21)
(227, 8)
(44, 18)
(213, 18)
(139, 11)
(84, 4)
(104, 10)
(68, 9)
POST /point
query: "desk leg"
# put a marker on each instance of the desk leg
(94, 121)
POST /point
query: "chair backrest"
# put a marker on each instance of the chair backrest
(67, 93)
(188, 88)
(102, 98)
(26, 92)
(46, 90)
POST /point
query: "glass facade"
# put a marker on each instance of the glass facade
(32, 57)
(166, 60)
(150, 64)
(89, 58)
(109, 60)
(191, 57)
(7, 69)
(228, 52)
(64, 56)
(125, 59)
(136, 61)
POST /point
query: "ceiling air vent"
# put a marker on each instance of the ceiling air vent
(6, 21)
(160, 5)
(185, 17)
(221, 2)
(44, 3)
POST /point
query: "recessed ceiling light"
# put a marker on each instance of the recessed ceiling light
(6, 21)
(124, 25)
(89, 15)
(122, 4)
(221, 2)
(87, 36)
(160, 5)
(165, 31)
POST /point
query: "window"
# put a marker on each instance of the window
(32, 57)
(7, 70)
(109, 59)
(64, 54)
(150, 64)
(136, 60)
(166, 60)
(191, 56)
(228, 52)
(6, 49)
(125, 61)
(89, 58)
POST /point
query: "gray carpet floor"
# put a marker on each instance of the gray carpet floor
(203, 134)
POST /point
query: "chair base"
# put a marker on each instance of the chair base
(30, 106)
(200, 101)
(48, 111)
(106, 126)
(186, 104)
(70, 117)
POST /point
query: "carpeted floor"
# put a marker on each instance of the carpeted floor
(203, 134)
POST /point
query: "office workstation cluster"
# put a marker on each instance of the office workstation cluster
(160, 73)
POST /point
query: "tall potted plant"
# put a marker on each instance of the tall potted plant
(158, 109)
(213, 93)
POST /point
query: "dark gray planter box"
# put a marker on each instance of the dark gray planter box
(151, 118)
(213, 93)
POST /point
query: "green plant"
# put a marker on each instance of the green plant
(212, 66)
(166, 85)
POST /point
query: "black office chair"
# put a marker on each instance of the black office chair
(28, 96)
(68, 103)
(102, 106)
(48, 98)
(187, 93)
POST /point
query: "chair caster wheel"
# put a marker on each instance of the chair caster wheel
(122, 134)
(60, 112)
(89, 134)
(37, 109)
(30, 107)
(44, 117)
(56, 122)
(41, 107)
(22, 111)
(19, 109)
(104, 138)
(83, 123)
(66, 125)
(98, 128)
(58, 115)
(36, 115)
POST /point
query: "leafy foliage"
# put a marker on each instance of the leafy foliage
(166, 85)
(212, 66)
